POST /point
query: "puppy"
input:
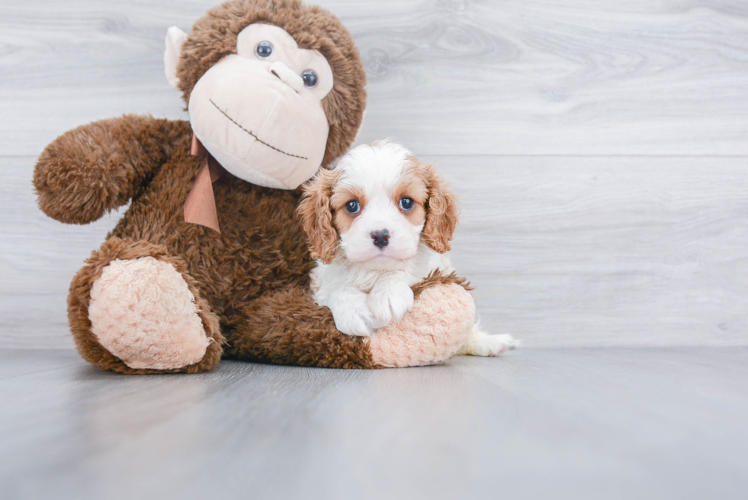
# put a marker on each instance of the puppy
(379, 223)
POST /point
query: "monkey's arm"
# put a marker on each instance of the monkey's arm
(287, 327)
(98, 167)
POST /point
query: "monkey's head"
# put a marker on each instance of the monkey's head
(274, 88)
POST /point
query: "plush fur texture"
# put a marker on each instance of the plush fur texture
(303, 333)
(214, 37)
(143, 312)
(79, 300)
(99, 167)
(256, 116)
(426, 317)
(250, 283)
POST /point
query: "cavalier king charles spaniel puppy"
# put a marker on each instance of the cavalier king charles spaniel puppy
(378, 223)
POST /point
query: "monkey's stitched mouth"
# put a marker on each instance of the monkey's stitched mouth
(254, 135)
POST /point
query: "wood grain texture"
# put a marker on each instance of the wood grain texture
(446, 76)
(644, 244)
(38, 258)
(538, 423)
(606, 251)
(599, 149)
(564, 251)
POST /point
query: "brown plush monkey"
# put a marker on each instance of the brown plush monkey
(274, 89)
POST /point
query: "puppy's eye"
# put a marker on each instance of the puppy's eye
(264, 49)
(310, 78)
(353, 207)
(406, 203)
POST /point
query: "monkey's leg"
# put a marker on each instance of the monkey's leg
(135, 309)
(286, 327)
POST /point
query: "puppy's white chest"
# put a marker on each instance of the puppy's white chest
(365, 280)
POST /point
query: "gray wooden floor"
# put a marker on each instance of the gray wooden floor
(540, 423)
(600, 150)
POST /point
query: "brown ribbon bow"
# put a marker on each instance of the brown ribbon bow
(200, 206)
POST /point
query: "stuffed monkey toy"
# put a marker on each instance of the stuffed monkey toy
(210, 260)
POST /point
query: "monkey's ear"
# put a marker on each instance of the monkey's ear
(174, 40)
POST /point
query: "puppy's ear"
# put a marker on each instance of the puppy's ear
(441, 213)
(316, 214)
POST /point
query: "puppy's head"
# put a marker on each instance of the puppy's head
(376, 206)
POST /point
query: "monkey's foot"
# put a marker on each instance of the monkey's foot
(436, 327)
(143, 312)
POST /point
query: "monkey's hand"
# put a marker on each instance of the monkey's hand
(99, 167)
(439, 323)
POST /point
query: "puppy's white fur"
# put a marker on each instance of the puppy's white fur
(365, 286)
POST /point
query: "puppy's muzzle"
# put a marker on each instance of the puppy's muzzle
(381, 238)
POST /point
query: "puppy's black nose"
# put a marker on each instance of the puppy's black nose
(381, 238)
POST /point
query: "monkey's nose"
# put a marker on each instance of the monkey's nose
(286, 75)
(381, 238)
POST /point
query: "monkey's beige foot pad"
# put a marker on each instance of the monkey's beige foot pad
(440, 322)
(143, 312)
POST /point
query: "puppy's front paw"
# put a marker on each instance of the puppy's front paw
(356, 322)
(390, 303)
(353, 317)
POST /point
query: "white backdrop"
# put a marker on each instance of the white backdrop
(600, 150)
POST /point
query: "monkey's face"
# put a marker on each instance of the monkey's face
(259, 111)
(275, 88)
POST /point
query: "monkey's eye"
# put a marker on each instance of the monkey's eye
(264, 49)
(406, 203)
(310, 78)
(353, 207)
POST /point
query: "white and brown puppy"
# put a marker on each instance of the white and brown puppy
(379, 223)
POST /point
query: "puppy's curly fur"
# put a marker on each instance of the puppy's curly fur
(380, 225)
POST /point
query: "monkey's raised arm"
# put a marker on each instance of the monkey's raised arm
(99, 167)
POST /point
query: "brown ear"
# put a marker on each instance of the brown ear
(316, 214)
(441, 213)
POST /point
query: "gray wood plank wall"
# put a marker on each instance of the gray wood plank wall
(600, 150)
